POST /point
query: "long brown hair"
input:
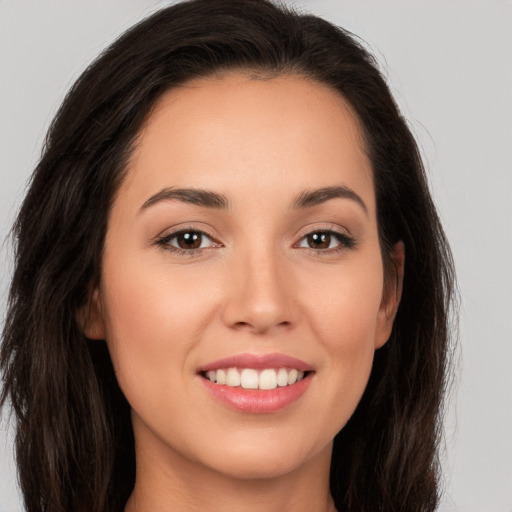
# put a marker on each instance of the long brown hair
(74, 443)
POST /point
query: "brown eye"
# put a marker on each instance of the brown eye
(327, 241)
(186, 241)
(319, 240)
(189, 240)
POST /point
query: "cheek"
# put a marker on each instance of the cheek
(152, 321)
(343, 313)
(344, 306)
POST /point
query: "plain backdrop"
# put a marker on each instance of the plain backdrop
(449, 64)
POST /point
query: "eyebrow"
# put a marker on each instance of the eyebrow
(310, 198)
(209, 199)
(198, 197)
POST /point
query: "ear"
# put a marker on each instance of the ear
(391, 295)
(90, 317)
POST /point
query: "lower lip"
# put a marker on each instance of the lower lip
(256, 400)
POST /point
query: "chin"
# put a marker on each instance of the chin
(267, 458)
(261, 468)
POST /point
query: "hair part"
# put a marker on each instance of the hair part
(74, 442)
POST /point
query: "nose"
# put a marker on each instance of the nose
(259, 294)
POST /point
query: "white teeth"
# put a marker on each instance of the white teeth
(292, 376)
(282, 377)
(221, 377)
(268, 379)
(249, 378)
(233, 377)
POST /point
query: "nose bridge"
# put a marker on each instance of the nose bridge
(259, 296)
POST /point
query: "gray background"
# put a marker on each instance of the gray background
(449, 64)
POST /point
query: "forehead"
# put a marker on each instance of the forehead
(237, 131)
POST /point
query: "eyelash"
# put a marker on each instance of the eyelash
(165, 242)
(346, 242)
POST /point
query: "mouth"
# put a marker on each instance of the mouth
(252, 378)
(257, 383)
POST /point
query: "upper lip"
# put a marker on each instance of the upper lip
(258, 362)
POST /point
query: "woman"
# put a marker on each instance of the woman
(231, 284)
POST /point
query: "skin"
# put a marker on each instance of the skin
(255, 286)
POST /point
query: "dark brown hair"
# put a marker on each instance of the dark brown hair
(74, 443)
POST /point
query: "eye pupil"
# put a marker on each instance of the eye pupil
(189, 240)
(319, 240)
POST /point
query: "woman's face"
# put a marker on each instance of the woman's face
(243, 246)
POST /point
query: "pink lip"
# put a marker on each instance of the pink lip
(255, 400)
(258, 362)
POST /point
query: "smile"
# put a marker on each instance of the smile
(250, 378)
(257, 383)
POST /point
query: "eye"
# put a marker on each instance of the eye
(187, 241)
(326, 240)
